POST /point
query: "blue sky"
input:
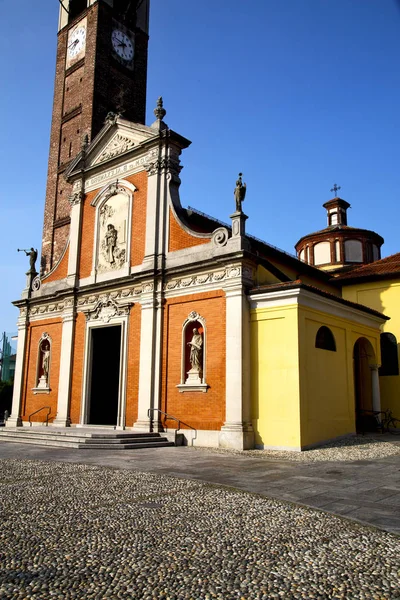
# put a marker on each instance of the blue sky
(297, 94)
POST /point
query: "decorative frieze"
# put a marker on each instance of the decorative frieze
(105, 310)
(230, 273)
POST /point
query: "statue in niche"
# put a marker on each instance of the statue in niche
(240, 193)
(196, 352)
(46, 362)
(44, 365)
(111, 241)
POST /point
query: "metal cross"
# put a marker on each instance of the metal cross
(336, 188)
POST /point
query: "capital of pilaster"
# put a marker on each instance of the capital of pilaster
(76, 198)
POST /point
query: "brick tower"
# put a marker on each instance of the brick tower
(101, 67)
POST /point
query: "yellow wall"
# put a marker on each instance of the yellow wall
(274, 377)
(302, 395)
(383, 296)
(327, 378)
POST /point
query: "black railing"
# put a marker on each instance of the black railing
(38, 411)
(171, 418)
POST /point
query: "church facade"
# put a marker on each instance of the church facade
(149, 316)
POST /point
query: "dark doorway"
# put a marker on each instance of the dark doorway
(364, 356)
(105, 369)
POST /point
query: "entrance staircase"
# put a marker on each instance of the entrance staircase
(84, 439)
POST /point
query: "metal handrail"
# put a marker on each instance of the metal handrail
(161, 412)
(37, 411)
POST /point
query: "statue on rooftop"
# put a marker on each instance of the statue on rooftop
(240, 193)
(33, 254)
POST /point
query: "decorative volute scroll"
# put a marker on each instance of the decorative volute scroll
(193, 360)
(220, 237)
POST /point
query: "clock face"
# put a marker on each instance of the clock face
(122, 45)
(76, 42)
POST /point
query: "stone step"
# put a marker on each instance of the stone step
(159, 444)
(88, 438)
(84, 440)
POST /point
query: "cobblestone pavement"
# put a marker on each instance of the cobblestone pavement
(363, 483)
(93, 532)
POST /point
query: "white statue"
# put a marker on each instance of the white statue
(196, 351)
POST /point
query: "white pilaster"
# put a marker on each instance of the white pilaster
(154, 193)
(64, 385)
(75, 235)
(14, 420)
(146, 363)
(237, 431)
(376, 391)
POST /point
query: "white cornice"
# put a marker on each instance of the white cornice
(316, 302)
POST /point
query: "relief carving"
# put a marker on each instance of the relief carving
(118, 145)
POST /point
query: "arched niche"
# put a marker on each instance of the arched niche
(194, 354)
(112, 244)
(43, 364)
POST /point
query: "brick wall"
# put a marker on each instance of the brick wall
(132, 384)
(200, 410)
(83, 95)
(179, 238)
(60, 272)
(77, 369)
(87, 239)
(138, 238)
(31, 401)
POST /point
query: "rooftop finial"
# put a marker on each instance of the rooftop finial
(335, 189)
(240, 193)
(160, 111)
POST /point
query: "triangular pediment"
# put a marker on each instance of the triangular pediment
(117, 138)
(123, 136)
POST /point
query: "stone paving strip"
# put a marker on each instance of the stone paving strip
(89, 532)
(360, 447)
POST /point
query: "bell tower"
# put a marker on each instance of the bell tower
(101, 67)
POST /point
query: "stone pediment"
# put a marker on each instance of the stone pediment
(118, 145)
(117, 138)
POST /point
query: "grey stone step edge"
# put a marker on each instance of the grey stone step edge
(132, 439)
(84, 446)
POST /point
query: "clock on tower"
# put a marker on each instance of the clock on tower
(101, 67)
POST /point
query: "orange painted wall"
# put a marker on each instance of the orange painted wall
(179, 238)
(87, 240)
(61, 270)
(138, 217)
(198, 409)
(132, 388)
(31, 401)
(77, 370)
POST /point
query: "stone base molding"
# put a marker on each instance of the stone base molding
(13, 421)
(237, 436)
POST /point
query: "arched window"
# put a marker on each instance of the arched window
(390, 361)
(325, 339)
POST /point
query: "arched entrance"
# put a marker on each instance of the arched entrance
(366, 385)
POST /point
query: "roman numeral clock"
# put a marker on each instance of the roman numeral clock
(122, 42)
